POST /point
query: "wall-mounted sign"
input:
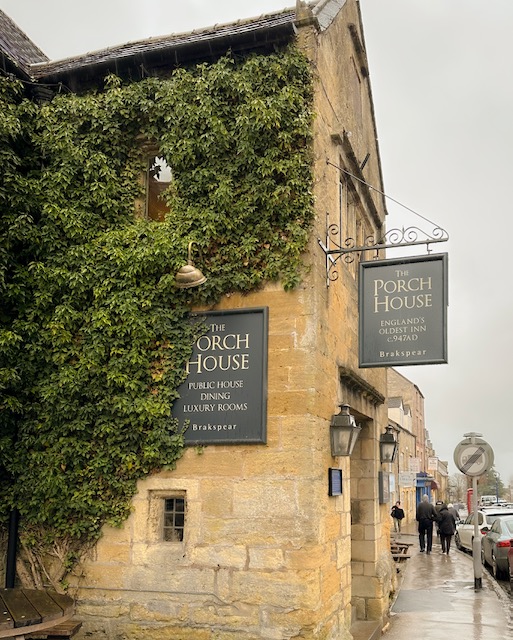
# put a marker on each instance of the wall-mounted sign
(432, 464)
(334, 482)
(407, 479)
(403, 311)
(384, 487)
(224, 398)
(414, 465)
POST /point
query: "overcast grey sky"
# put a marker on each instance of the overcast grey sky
(441, 79)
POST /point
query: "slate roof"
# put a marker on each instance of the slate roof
(16, 48)
(233, 32)
(258, 34)
(394, 402)
(262, 34)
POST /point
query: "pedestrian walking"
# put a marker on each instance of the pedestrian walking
(438, 506)
(425, 516)
(452, 509)
(397, 514)
(447, 527)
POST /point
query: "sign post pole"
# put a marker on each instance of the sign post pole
(476, 542)
(474, 457)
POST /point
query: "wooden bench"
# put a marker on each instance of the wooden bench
(400, 551)
(63, 630)
(29, 611)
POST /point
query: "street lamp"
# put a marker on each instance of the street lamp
(189, 276)
(388, 445)
(343, 432)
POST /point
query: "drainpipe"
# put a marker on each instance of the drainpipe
(12, 543)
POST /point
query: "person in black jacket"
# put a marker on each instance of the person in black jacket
(438, 506)
(425, 516)
(397, 514)
(447, 528)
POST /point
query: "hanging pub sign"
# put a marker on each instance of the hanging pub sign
(403, 311)
(224, 397)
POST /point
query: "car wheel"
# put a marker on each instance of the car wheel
(457, 541)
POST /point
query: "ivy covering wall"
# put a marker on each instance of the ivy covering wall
(94, 335)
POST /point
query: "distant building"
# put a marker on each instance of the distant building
(399, 417)
(406, 407)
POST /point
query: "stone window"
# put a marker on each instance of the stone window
(158, 179)
(173, 519)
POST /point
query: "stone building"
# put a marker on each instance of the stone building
(400, 419)
(431, 473)
(260, 549)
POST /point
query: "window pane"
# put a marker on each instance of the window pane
(173, 535)
(174, 519)
(158, 179)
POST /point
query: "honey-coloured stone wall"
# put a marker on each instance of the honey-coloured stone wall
(267, 553)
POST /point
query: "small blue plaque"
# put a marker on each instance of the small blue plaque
(334, 482)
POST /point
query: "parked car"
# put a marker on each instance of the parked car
(464, 535)
(496, 544)
(510, 562)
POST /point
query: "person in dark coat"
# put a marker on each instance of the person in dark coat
(438, 505)
(425, 516)
(397, 514)
(447, 527)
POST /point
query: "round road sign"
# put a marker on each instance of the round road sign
(473, 457)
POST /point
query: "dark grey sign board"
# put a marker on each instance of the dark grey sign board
(224, 398)
(403, 311)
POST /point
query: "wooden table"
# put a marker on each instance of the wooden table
(25, 611)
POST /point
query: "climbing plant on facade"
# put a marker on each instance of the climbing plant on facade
(94, 336)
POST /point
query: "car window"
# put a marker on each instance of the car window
(496, 527)
(480, 518)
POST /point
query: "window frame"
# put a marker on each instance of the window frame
(154, 195)
(174, 512)
(156, 504)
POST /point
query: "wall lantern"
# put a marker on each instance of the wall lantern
(387, 445)
(189, 276)
(343, 432)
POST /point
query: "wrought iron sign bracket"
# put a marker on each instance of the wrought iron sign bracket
(393, 239)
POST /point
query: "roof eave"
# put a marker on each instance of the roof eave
(265, 33)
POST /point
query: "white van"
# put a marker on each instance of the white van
(486, 501)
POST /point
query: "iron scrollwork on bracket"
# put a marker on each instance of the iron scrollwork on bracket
(393, 239)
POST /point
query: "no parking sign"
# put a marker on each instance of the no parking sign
(473, 456)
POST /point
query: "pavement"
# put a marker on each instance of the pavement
(437, 598)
